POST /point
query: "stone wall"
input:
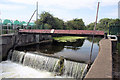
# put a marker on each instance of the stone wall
(8, 41)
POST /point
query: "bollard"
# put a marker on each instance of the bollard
(105, 36)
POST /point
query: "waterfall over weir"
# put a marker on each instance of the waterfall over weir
(40, 62)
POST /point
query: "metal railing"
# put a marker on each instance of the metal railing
(6, 29)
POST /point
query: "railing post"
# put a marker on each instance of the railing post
(7, 29)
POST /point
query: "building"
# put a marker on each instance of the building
(119, 9)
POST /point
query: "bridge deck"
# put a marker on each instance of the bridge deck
(72, 32)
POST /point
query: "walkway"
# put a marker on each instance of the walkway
(102, 66)
(64, 32)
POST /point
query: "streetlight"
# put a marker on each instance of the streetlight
(1, 25)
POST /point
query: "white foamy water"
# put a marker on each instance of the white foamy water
(10, 69)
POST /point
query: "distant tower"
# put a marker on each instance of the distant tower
(119, 9)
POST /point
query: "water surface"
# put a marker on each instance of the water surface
(76, 51)
(29, 67)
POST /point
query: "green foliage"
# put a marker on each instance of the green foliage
(90, 26)
(75, 24)
(47, 26)
(59, 23)
(104, 24)
(115, 22)
(48, 21)
(45, 18)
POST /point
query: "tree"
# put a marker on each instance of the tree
(47, 19)
(59, 23)
(75, 24)
(90, 26)
(114, 27)
(115, 22)
(104, 24)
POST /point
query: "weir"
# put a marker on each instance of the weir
(40, 62)
(10, 41)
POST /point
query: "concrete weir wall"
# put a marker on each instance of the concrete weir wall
(102, 66)
(8, 41)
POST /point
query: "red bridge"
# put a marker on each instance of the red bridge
(64, 32)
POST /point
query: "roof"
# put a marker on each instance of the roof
(16, 22)
(30, 24)
(7, 21)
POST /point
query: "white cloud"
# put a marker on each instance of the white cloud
(59, 8)
(11, 7)
(68, 4)
(109, 2)
(112, 13)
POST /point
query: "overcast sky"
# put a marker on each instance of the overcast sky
(63, 9)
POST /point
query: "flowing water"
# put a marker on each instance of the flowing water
(14, 70)
(38, 66)
(40, 61)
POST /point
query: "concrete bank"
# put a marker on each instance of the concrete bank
(8, 41)
(102, 66)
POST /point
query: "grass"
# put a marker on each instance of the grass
(67, 38)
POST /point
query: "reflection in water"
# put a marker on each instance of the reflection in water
(96, 40)
(74, 45)
(77, 51)
(48, 48)
(54, 47)
(82, 54)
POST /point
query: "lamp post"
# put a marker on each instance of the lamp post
(1, 25)
(37, 15)
(119, 9)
